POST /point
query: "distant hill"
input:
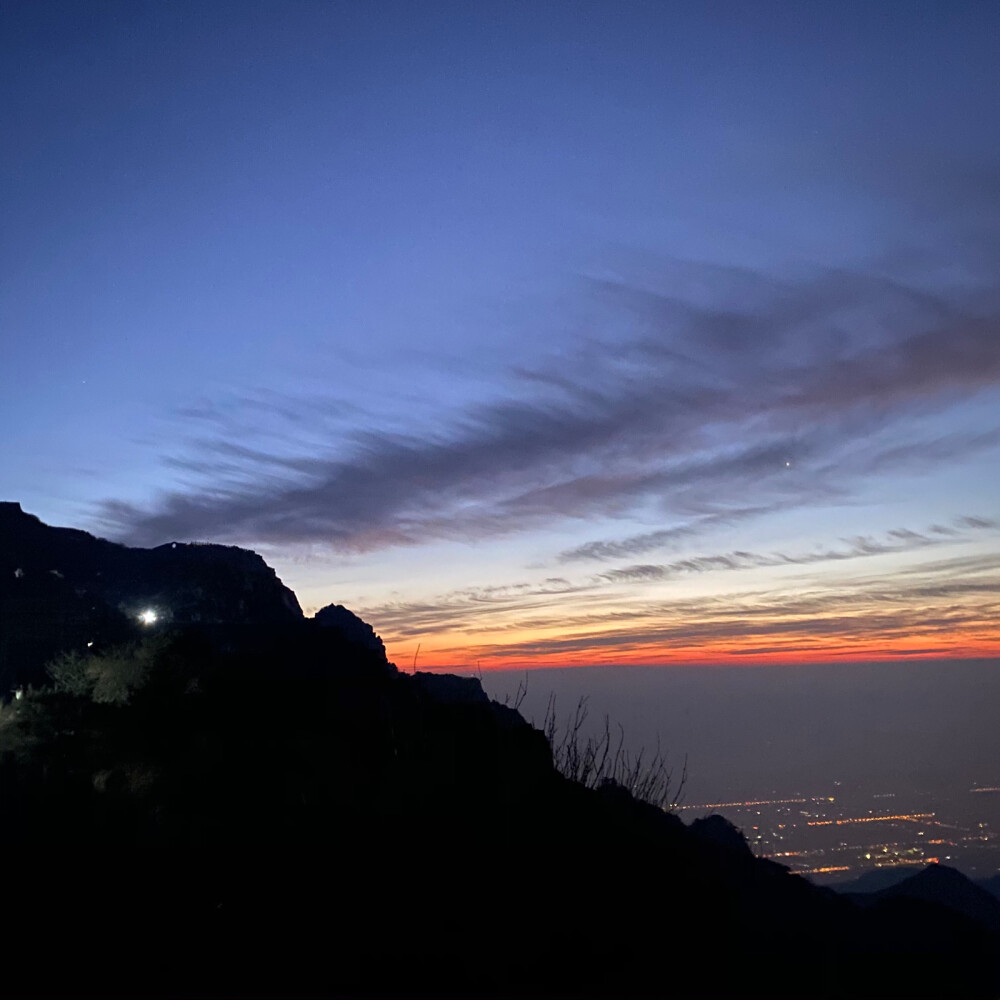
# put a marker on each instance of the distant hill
(874, 880)
(945, 885)
(240, 801)
(935, 883)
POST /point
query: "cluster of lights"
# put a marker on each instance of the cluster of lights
(148, 617)
(756, 802)
(770, 838)
(905, 817)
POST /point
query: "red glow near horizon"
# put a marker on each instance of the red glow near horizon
(842, 624)
(706, 656)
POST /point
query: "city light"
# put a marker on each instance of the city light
(904, 817)
(755, 802)
(814, 840)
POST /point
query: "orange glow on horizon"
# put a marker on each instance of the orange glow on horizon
(472, 632)
(491, 657)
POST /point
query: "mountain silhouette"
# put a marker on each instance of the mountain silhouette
(61, 588)
(942, 884)
(874, 879)
(237, 800)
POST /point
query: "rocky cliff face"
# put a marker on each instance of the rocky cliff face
(61, 589)
(351, 627)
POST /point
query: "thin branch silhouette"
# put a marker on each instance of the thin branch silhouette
(592, 763)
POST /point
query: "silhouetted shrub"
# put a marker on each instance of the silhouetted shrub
(109, 678)
(18, 733)
(599, 760)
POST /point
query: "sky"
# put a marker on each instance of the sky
(538, 334)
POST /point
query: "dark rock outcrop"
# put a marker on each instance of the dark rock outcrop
(63, 589)
(448, 689)
(720, 831)
(350, 626)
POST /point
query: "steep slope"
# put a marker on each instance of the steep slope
(270, 808)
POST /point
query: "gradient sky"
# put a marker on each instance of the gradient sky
(536, 333)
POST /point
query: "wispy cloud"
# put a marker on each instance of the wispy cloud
(879, 616)
(883, 604)
(895, 541)
(649, 541)
(792, 398)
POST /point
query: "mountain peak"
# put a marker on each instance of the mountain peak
(946, 885)
(61, 588)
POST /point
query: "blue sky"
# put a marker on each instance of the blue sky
(536, 332)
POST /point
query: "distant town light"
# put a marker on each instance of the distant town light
(148, 617)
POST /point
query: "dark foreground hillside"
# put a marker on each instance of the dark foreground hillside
(229, 808)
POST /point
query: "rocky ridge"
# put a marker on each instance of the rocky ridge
(231, 804)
